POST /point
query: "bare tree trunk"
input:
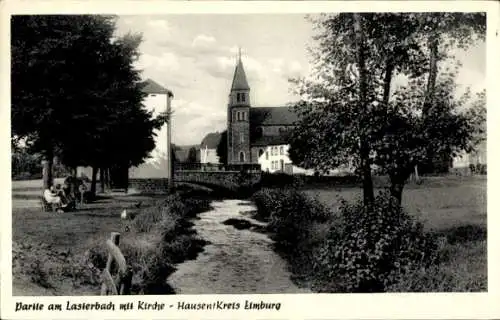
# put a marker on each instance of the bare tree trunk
(93, 184)
(368, 194)
(47, 169)
(396, 188)
(429, 94)
(389, 70)
(102, 179)
(106, 179)
(431, 81)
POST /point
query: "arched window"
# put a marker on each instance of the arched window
(281, 150)
(242, 156)
(242, 97)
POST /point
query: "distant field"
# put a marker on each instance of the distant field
(440, 202)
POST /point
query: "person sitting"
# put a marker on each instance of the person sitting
(65, 197)
(51, 197)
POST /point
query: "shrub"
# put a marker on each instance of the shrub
(371, 249)
(290, 212)
(265, 201)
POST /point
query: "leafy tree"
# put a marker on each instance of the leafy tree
(76, 93)
(222, 148)
(191, 158)
(346, 107)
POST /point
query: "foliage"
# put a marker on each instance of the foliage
(222, 148)
(192, 158)
(342, 116)
(372, 249)
(289, 213)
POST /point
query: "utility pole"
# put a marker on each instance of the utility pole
(170, 163)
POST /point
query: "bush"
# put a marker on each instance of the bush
(289, 212)
(372, 249)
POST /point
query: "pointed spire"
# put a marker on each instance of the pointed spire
(239, 79)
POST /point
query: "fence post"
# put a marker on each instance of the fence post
(115, 238)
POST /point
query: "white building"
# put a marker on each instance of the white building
(208, 148)
(156, 100)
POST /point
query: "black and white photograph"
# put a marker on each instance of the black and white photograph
(248, 153)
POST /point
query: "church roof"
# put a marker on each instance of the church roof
(153, 87)
(240, 79)
(280, 139)
(271, 116)
(211, 141)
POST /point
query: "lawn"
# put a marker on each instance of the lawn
(441, 203)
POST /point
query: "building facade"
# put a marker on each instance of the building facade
(258, 134)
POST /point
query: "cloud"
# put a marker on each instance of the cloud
(166, 60)
(203, 40)
(159, 24)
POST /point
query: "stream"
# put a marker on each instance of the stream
(236, 261)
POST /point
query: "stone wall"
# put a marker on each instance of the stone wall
(229, 180)
(148, 185)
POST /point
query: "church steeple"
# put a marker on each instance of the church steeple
(239, 79)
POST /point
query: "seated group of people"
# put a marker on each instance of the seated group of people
(62, 197)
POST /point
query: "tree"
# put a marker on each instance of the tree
(222, 148)
(439, 32)
(192, 158)
(87, 113)
(347, 109)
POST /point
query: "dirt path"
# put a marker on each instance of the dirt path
(235, 261)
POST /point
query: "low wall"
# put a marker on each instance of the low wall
(228, 180)
(148, 185)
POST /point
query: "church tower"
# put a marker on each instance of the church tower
(238, 117)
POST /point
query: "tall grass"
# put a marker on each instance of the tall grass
(158, 239)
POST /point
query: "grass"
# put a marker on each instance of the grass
(62, 254)
(440, 202)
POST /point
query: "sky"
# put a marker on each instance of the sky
(194, 56)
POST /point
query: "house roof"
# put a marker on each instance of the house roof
(270, 140)
(152, 87)
(269, 116)
(211, 141)
(239, 79)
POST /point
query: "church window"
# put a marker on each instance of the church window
(238, 115)
(261, 152)
(267, 155)
(243, 116)
(242, 138)
(242, 97)
(281, 150)
(238, 97)
(242, 156)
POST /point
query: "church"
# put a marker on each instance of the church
(257, 134)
